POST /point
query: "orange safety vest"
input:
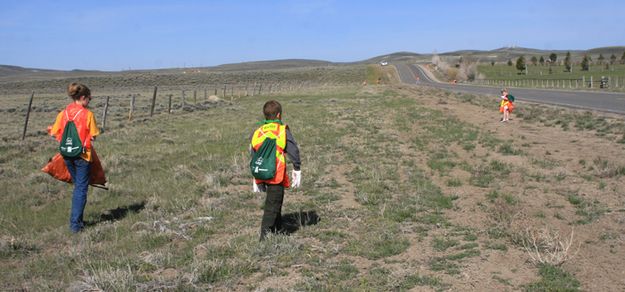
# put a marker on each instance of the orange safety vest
(504, 103)
(278, 132)
(79, 115)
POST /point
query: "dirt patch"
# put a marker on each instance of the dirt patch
(552, 170)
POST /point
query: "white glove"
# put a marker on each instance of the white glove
(255, 187)
(296, 176)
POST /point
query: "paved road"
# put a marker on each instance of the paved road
(600, 101)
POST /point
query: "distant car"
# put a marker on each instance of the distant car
(384, 63)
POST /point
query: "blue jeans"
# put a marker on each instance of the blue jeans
(79, 170)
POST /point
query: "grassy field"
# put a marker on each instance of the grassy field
(175, 79)
(503, 71)
(540, 77)
(403, 188)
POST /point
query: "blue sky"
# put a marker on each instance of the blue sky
(119, 35)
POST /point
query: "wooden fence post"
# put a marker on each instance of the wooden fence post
(106, 109)
(184, 101)
(169, 106)
(194, 96)
(132, 107)
(30, 103)
(205, 94)
(224, 96)
(153, 101)
(260, 89)
(247, 93)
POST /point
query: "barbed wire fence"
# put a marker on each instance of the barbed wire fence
(143, 102)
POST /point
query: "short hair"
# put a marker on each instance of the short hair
(76, 90)
(271, 109)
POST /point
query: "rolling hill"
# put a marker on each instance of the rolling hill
(15, 73)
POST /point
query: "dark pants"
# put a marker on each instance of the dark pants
(79, 170)
(272, 216)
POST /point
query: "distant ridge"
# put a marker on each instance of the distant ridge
(607, 51)
(272, 64)
(393, 57)
(8, 72)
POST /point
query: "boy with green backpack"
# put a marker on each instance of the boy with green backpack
(269, 144)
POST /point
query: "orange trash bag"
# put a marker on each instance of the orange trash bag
(56, 168)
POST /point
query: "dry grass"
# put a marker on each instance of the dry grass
(423, 198)
(547, 246)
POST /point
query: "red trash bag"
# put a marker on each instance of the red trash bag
(56, 168)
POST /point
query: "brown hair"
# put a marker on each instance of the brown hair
(76, 90)
(271, 109)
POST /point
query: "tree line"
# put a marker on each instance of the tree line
(521, 63)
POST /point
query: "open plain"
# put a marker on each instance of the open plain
(404, 187)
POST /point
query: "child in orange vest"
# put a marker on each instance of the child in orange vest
(505, 106)
(273, 126)
(78, 167)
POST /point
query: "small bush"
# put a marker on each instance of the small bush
(382, 240)
(108, 279)
(554, 278)
(508, 149)
(442, 244)
(606, 169)
(546, 246)
(454, 182)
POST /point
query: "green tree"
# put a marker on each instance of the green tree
(567, 62)
(541, 61)
(600, 59)
(553, 57)
(585, 63)
(492, 63)
(520, 63)
(510, 62)
(612, 59)
(534, 60)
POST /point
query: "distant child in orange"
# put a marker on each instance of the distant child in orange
(78, 166)
(505, 105)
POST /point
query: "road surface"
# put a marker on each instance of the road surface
(600, 101)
